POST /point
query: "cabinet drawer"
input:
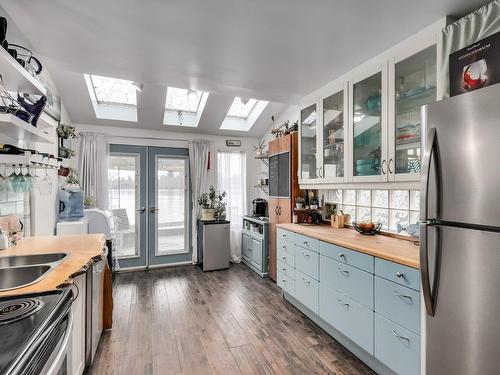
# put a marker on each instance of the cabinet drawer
(286, 270)
(398, 273)
(347, 256)
(285, 235)
(307, 242)
(353, 282)
(286, 254)
(306, 291)
(307, 261)
(396, 347)
(286, 283)
(349, 317)
(398, 303)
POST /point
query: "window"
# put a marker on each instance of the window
(231, 172)
(185, 100)
(241, 107)
(113, 91)
(243, 113)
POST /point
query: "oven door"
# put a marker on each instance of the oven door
(59, 363)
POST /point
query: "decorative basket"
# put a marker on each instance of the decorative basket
(207, 214)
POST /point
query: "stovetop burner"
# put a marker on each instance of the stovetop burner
(13, 310)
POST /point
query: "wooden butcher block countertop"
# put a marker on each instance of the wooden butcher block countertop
(385, 247)
(81, 250)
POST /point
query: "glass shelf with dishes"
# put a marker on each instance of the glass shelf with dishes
(415, 86)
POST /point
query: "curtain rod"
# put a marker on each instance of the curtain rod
(150, 138)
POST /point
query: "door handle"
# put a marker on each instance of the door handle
(153, 210)
(389, 166)
(431, 153)
(279, 210)
(384, 162)
(276, 210)
(141, 210)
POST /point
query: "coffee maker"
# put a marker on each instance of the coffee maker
(259, 207)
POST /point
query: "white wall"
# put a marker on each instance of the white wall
(290, 113)
(158, 138)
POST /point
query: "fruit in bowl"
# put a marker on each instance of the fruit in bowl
(367, 227)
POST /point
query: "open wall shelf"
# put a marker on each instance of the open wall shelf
(16, 78)
(17, 129)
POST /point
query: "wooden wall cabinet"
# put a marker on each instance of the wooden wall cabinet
(283, 188)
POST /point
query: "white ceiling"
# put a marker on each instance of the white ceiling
(276, 50)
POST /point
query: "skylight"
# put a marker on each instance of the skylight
(113, 91)
(241, 107)
(184, 100)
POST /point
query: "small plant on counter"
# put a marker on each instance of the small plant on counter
(66, 131)
(89, 202)
(212, 204)
(299, 203)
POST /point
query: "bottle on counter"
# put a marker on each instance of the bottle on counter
(4, 240)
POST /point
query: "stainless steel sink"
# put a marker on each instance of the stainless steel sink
(28, 260)
(18, 277)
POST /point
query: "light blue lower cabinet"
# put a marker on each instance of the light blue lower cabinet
(351, 281)
(307, 261)
(396, 347)
(286, 283)
(398, 303)
(306, 291)
(349, 317)
(286, 269)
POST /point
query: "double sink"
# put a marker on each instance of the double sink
(18, 271)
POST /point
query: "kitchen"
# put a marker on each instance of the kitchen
(245, 205)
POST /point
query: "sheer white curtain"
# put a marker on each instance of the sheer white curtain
(198, 167)
(93, 168)
(231, 178)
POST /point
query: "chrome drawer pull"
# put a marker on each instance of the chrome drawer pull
(284, 281)
(342, 303)
(344, 272)
(341, 255)
(284, 246)
(401, 275)
(305, 243)
(306, 255)
(306, 282)
(283, 269)
(400, 337)
(403, 295)
(284, 258)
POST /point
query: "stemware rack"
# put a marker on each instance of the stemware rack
(35, 160)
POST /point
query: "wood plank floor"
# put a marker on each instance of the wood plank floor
(183, 321)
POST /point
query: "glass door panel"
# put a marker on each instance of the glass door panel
(127, 201)
(333, 136)
(415, 86)
(308, 163)
(367, 127)
(169, 206)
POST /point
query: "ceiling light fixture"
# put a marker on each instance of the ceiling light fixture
(138, 85)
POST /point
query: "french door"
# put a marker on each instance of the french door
(150, 200)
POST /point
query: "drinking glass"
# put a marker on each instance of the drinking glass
(4, 180)
(20, 183)
(29, 179)
(46, 184)
(14, 182)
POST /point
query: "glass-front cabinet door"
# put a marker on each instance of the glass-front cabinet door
(309, 166)
(414, 85)
(368, 128)
(333, 137)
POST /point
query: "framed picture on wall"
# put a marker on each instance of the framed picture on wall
(475, 66)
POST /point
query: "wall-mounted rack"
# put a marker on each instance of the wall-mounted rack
(35, 160)
(19, 130)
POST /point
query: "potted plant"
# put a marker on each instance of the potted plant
(89, 202)
(299, 203)
(260, 150)
(66, 131)
(212, 204)
(72, 183)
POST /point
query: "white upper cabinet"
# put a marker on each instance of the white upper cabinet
(367, 148)
(412, 85)
(365, 127)
(308, 144)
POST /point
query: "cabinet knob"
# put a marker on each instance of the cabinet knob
(341, 255)
(305, 255)
(400, 274)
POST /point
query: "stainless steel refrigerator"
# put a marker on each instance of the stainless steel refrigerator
(460, 234)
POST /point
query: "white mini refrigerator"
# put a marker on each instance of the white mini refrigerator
(213, 245)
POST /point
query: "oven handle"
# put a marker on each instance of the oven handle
(63, 349)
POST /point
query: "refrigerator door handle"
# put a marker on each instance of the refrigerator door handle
(430, 154)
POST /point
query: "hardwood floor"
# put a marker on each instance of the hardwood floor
(183, 321)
